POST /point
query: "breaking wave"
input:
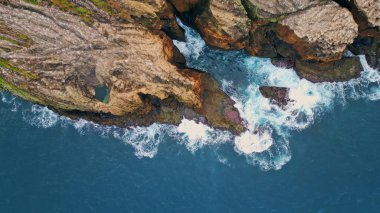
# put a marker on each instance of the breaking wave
(266, 143)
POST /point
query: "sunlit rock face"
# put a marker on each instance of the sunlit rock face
(58, 59)
(370, 9)
(273, 8)
(321, 32)
(225, 24)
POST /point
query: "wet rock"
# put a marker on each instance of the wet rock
(286, 63)
(278, 95)
(370, 46)
(335, 71)
(368, 41)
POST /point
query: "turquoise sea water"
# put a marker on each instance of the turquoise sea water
(319, 154)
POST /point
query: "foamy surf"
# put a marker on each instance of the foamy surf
(266, 143)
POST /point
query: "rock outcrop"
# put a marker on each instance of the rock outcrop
(319, 33)
(224, 24)
(275, 8)
(334, 71)
(277, 95)
(58, 58)
(370, 9)
(368, 42)
(186, 5)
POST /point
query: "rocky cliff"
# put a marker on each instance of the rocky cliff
(59, 53)
(65, 53)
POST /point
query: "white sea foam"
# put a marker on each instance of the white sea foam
(266, 143)
(197, 135)
(193, 47)
(249, 143)
(40, 116)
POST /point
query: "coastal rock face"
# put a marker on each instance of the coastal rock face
(368, 41)
(370, 9)
(186, 5)
(225, 24)
(278, 95)
(58, 59)
(319, 33)
(334, 71)
(272, 8)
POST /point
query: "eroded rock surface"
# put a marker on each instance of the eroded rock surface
(321, 32)
(371, 10)
(273, 8)
(334, 71)
(225, 24)
(278, 95)
(57, 59)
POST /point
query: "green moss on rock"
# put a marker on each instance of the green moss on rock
(7, 65)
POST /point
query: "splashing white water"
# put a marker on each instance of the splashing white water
(266, 143)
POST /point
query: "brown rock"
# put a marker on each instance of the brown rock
(186, 5)
(335, 71)
(264, 42)
(275, 8)
(286, 63)
(370, 9)
(224, 24)
(66, 59)
(370, 46)
(278, 95)
(320, 33)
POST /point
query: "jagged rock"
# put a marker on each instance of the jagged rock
(186, 5)
(224, 24)
(319, 33)
(278, 95)
(370, 46)
(335, 71)
(275, 8)
(368, 41)
(57, 59)
(264, 42)
(370, 9)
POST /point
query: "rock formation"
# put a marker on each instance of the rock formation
(370, 9)
(276, 8)
(319, 33)
(368, 42)
(277, 95)
(333, 71)
(60, 53)
(58, 58)
(224, 24)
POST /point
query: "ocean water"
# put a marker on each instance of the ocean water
(319, 154)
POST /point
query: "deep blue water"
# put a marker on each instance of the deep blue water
(335, 168)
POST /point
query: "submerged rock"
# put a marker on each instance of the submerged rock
(278, 95)
(57, 59)
(335, 71)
